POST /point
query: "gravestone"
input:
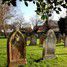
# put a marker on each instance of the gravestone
(33, 40)
(28, 41)
(65, 41)
(42, 37)
(49, 45)
(16, 49)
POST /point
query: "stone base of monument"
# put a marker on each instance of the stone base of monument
(49, 57)
(49, 53)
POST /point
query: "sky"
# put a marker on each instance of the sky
(29, 11)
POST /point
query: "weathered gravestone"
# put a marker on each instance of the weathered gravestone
(33, 40)
(28, 41)
(42, 37)
(49, 45)
(16, 51)
(65, 41)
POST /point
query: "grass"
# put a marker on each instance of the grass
(3, 53)
(34, 53)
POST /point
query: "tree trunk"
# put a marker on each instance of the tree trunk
(4, 28)
(5, 34)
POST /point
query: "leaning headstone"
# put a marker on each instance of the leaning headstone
(49, 45)
(16, 51)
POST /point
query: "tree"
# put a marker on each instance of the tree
(34, 21)
(44, 7)
(3, 10)
(14, 18)
(18, 22)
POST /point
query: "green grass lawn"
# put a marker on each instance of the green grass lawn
(34, 53)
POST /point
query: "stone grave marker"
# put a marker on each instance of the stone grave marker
(28, 41)
(49, 45)
(42, 37)
(16, 49)
(33, 40)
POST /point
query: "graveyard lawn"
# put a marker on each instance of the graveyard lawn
(34, 53)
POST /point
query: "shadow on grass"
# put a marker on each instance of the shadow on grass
(38, 60)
